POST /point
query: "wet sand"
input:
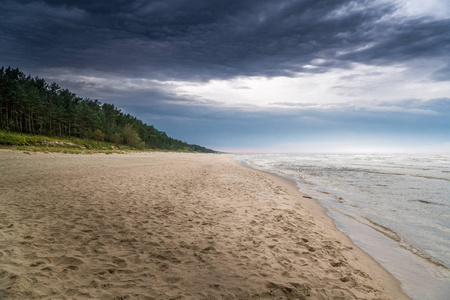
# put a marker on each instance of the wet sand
(170, 226)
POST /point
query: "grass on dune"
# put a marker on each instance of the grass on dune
(39, 143)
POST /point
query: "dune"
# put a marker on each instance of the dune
(170, 226)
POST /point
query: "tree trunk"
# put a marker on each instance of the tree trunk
(32, 123)
(7, 116)
(29, 122)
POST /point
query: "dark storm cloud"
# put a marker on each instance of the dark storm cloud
(409, 39)
(201, 39)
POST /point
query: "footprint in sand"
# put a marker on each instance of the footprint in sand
(172, 280)
(37, 264)
(67, 260)
(70, 268)
(119, 262)
(122, 297)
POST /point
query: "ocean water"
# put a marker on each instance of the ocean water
(396, 207)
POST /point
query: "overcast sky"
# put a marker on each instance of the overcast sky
(250, 75)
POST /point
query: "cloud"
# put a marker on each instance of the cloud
(361, 84)
(203, 40)
(442, 74)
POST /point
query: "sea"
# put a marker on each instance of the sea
(396, 207)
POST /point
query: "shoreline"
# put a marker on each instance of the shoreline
(170, 225)
(419, 277)
(321, 213)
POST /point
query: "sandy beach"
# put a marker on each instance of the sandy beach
(170, 226)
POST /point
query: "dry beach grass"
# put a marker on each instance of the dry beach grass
(169, 226)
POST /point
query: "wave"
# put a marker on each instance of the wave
(391, 234)
(336, 197)
(403, 174)
(365, 169)
(426, 202)
(396, 237)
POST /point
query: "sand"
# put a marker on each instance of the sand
(170, 226)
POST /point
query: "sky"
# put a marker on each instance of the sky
(250, 75)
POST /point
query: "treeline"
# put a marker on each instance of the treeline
(30, 105)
